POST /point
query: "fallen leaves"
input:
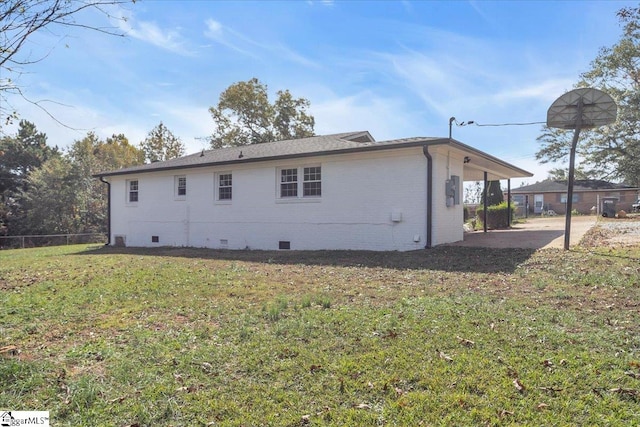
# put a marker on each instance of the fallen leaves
(362, 406)
(445, 356)
(190, 389)
(626, 392)
(9, 350)
(465, 342)
(519, 386)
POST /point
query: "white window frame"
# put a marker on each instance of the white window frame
(289, 182)
(177, 187)
(300, 184)
(315, 177)
(218, 187)
(129, 191)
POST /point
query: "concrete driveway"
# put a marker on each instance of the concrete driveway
(534, 233)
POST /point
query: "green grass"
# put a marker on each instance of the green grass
(448, 336)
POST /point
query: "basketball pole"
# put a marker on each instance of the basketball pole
(572, 164)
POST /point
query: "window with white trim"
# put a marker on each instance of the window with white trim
(225, 186)
(132, 190)
(312, 182)
(289, 182)
(300, 182)
(180, 183)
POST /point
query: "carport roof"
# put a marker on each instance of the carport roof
(324, 145)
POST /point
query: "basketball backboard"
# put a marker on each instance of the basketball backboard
(598, 108)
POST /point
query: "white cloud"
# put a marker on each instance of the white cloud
(218, 33)
(363, 111)
(327, 3)
(545, 90)
(247, 46)
(214, 29)
(192, 123)
(150, 32)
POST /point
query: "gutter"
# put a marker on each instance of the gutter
(108, 210)
(425, 151)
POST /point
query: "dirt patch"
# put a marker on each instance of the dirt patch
(614, 232)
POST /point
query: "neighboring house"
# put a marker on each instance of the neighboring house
(343, 191)
(588, 196)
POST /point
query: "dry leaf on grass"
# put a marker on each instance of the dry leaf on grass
(519, 386)
(466, 342)
(445, 356)
(9, 350)
(362, 406)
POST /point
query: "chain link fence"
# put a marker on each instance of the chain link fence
(38, 240)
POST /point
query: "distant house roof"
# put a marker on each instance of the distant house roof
(557, 186)
(341, 143)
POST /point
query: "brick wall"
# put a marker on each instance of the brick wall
(373, 201)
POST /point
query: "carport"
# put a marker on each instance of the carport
(535, 233)
(480, 166)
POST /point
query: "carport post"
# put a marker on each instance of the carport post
(509, 202)
(485, 201)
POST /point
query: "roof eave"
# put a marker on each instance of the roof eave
(365, 148)
(512, 171)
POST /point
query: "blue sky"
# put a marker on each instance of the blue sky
(395, 68)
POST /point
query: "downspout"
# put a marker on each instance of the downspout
(425, 150)
(108, 210)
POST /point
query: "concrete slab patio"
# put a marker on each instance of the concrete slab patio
(534, 233)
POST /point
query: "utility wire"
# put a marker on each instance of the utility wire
(508, 124)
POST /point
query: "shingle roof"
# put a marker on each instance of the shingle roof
(340, 143)
(303, 147)
(551, 186)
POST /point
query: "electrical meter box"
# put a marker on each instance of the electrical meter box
(452, 190)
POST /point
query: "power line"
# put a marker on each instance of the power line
(507, 124)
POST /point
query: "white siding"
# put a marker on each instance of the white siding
(360, 194)
(447, 221)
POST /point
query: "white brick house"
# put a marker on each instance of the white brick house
(342, 191)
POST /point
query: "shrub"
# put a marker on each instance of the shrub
(497, 215)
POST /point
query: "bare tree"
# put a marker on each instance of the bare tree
(20, 19)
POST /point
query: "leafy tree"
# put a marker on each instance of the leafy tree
(20, 155)
(493, 193)
(245, 116)
(161, 144)
(20, 19)
(291, 120)
(59, 195)
(89, 156)
(561, 174)
(118, 153)
(613, 151)
(49, 203)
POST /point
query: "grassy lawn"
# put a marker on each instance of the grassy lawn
(448, 336)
